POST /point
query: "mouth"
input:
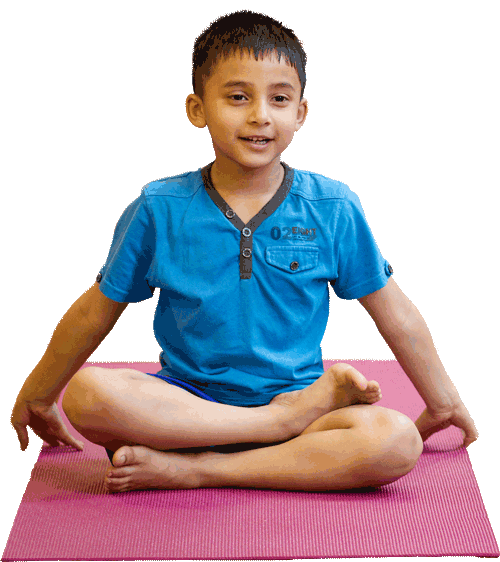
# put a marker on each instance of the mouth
(257, 140)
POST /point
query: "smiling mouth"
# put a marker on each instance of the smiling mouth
(263, 141)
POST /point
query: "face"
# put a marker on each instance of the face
(247, 98)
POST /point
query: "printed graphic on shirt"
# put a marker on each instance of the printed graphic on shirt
(293, 233)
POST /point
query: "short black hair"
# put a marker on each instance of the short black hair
(245, 30)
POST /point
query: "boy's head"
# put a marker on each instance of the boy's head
(255, 33)
(249, 79)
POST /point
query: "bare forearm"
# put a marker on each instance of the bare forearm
(73, 342)
(414, 349)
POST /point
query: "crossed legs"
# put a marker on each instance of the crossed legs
(354, 447)
(326, 437)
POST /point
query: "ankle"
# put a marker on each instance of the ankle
(208, 469)
(289, 418)
(280, 418)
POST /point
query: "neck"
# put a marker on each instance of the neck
(257, 182)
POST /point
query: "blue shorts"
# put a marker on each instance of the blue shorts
(185, 386)
(180, 384)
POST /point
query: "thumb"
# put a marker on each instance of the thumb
(427, 426)
(22, 435)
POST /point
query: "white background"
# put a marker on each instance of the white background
(403, 107)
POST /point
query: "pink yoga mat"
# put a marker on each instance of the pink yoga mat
(435, 510)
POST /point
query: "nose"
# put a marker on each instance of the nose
(259, 112)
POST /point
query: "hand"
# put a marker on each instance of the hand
(44, 419)
(431, 422)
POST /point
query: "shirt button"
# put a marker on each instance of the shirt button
(246, 232)
(229, 213)
(99, 277)
(247, 252)
(294, 265)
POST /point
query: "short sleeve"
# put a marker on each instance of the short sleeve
(361, 269)
(123, 278)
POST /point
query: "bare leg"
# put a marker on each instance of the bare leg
(354, 447)
(115, 407)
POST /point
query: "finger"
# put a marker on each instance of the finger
(426, 432)
(72, 442)
(56, 433)
(425, 429)
(22, 435)
(49, 439)
(65, 437)
(44, 435)
(469, 439)
(52, 440)
(469, 431)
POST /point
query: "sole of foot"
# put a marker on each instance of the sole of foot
(340, 386)
(142, 468)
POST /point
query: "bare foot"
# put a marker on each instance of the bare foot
(145, 468)
(340, 386)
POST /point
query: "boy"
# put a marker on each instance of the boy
(242, 251)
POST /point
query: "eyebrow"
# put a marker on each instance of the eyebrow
(232, 83)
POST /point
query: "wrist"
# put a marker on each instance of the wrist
(38, 390)
(417, 355)
(445, 396)
(442, 405)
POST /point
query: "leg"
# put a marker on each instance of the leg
(354, 447)
(116, 407)
(358, 446)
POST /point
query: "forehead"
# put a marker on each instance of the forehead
(240, 66)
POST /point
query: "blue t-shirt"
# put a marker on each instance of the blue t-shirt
(243, 307)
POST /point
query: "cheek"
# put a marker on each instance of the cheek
(287, 130)
(225, 115)
(286, 121)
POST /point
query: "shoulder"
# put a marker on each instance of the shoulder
(318, 188)
(313, 186)
(156, 194)
(182, 185)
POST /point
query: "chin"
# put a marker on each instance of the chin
(247, 161)
(257, 160)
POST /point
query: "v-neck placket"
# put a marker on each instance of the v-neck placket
(247, 230)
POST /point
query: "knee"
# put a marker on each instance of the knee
(401, 446)
(79, 395)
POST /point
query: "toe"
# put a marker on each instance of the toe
(124, 455)
(122, 472)
(358, 379)
(347, 374)
(113, 487)
(373, 387)
(115, 484)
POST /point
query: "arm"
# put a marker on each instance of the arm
(80, 331)
(406, 333)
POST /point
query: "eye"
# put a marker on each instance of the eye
(283, 98)
(236, 96)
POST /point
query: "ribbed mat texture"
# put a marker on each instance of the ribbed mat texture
(435, 510)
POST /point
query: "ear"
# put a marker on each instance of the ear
(301, 113)
(195, 111)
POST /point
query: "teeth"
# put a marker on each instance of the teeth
(259, 141)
